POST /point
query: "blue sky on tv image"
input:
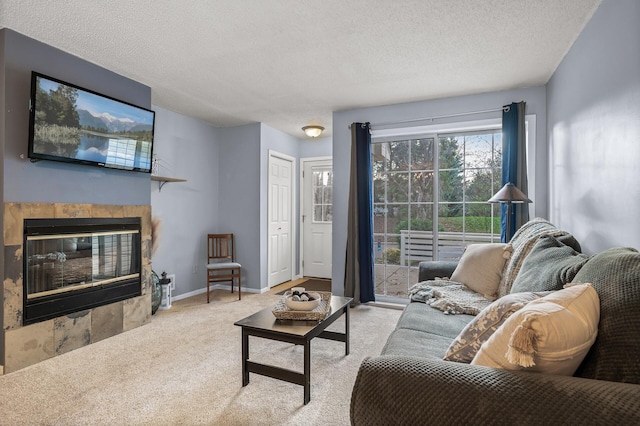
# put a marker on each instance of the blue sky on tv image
(98, 105)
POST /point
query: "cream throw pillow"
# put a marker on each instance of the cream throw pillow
(481, 266)
(549, 335)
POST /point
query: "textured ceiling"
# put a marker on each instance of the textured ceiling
(289, 63)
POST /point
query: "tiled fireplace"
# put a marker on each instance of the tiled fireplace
(85, 281)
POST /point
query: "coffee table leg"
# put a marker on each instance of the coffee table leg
(245, 357)
(307, 372)
(346, 322)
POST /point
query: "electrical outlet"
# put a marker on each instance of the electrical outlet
(172, 277)
(194, 270)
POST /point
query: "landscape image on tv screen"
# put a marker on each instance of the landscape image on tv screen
(78, 125)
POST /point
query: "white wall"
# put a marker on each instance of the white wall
(186, 148)
(594, 129)
(536, 104)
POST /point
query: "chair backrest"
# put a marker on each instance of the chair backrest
(220, 248)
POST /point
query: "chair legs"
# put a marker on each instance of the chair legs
(232, 279)
(239, 288)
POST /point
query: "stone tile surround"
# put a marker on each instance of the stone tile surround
(27, 345)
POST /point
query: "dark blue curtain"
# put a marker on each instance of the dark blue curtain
(359, 282)
(514, 164)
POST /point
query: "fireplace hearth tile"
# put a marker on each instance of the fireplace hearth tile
(28, 345)
(105, 210)
(14, 215)
(12, 287)
(12, 304)
(137, 312)
(72, 210)
(146, 280)
(72, 331)
(106, 321)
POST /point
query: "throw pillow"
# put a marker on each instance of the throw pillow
(478, 331)
(549, 266)
(550, 335)
(480, 268)
(522, 242)
(615, 274)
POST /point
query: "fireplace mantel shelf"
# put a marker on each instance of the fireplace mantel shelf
(163, 180)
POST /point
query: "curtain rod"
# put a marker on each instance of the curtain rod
(504, 108)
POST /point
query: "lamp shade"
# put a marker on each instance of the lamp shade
(313, 131)
(509, 193)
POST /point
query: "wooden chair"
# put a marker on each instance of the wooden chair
(221, 264)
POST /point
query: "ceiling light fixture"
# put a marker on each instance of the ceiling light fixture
(313, 131)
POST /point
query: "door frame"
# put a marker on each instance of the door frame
(292, 213)
(301, 206)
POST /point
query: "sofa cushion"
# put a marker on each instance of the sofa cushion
(615, 274)
(522, 243)
(468, 342)
(422, 317)
(407, 342)
(480, 268)
(549, 266)
(550, 335)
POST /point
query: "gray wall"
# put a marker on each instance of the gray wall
(2, 126)
(47, 181)
(186, 148)
(239, 196)
(321, 147)
(536, 104)
(594, 128)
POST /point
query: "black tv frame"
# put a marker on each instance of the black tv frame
(35, 156)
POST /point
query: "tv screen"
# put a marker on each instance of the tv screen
(75, 125)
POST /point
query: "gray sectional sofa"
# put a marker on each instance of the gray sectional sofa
(411, 384)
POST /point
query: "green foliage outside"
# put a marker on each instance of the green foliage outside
(474, 224)
(391, 256)
(468, 169)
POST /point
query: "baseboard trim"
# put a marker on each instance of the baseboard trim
(217, 287)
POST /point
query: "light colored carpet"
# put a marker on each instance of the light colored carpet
(184, 368)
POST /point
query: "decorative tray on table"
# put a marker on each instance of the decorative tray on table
(320, 312)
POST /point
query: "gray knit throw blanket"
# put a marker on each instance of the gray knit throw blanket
(448, 296)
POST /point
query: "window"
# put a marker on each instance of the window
(430, 200)
(322, 182)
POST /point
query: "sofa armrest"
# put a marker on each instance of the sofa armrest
(394, 390)
(436, 269)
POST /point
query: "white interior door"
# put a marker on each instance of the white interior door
(280, 226)
(317, 200)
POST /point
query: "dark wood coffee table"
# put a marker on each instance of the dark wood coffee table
(264, 324)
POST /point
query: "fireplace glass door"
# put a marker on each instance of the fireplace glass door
(76, 264)
(58, 263)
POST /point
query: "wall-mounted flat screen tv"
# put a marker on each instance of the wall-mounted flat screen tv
(75, 125)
